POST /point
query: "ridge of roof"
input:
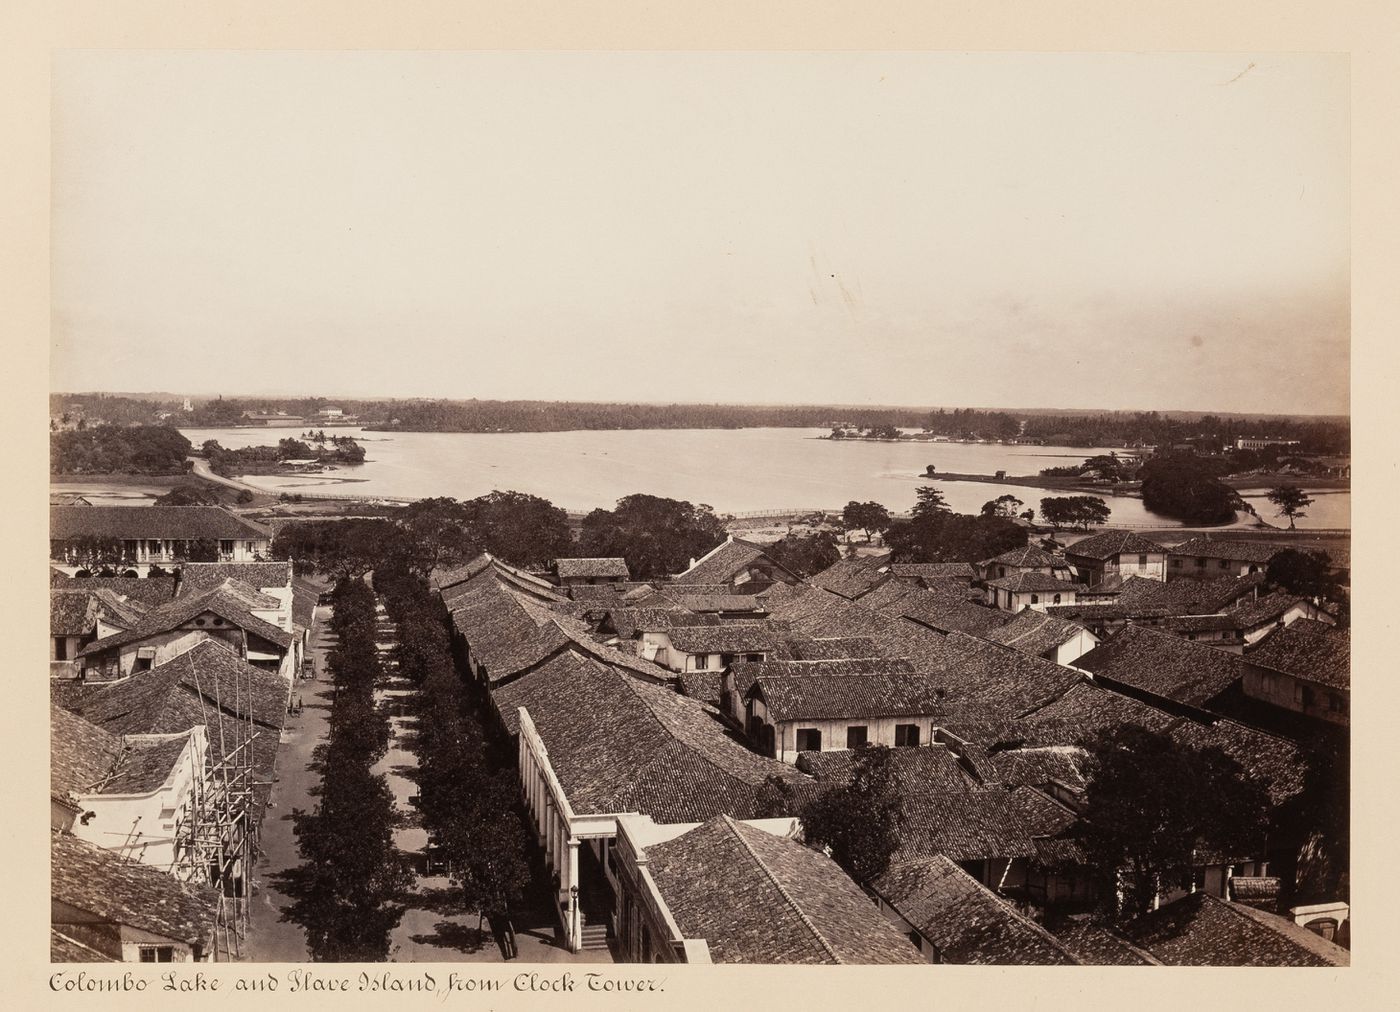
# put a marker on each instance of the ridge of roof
(782, 890)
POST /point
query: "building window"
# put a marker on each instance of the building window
(702, 661)
(157, 953)
(857, 735)
(1142, 560)
(906, 735)
(753, 657)
(1176, 563)
(1056, 599)
(1001, 570)
(809, 739)
(1200, 563)
(1224, 564)
(1035, 599)
(226, 547)
(1335, 703)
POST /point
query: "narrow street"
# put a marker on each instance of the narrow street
(271, 939)
(434, 927)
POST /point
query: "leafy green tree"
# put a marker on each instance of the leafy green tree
(1003, 506)
(929, 504)
(1153, 806)
(805, 554)
(859, 822)
(1081, 511)
(869, 517)
(188, 495)
(953, 537)
(657, 536)
(1187, 487)
(1291, 501)
(522, 529)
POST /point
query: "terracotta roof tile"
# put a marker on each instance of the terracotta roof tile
(176, 523)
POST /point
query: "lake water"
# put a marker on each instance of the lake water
(733, 470)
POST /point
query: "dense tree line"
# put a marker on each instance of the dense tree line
(225, 461)
(805, 554)
(1081, 511)
(656, 536)
(1188, 487)
(115, 449)
(348, 891)
(467, 789)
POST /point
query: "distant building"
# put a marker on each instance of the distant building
(1260, 443)
(1206, 558)
(330, 414)
(274, 419)
(1036, 591)
(737, 563)
(590, 572)
(134, 538)
(1041, 635)
(1116, 553)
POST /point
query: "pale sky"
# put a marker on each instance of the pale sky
(1095, 231)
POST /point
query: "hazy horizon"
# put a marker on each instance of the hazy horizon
(844, 229)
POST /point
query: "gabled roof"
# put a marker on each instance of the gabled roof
(613, 568)
(932, 768)
(848, 577)
(830, 648)
(190, 689)
(75, 612)
(988, 684)
(820, 613)
(1098, 945)
(1111, 543)
(119, 891)
(1035, 633)
(174, 523)
(1308, 649)
(1207, 547)
(1074, 716)
(148, 591)
(1269, 608)
(727, 638)
(942, 612)
(1027, 557)
(1021, 583)
(726, 560)
(933, 570)
(965, 920)
(841, 697)
(747, 672)
(715, 603)
(230, 601)
(1200, 930)
(65, 949)
(760, 898)
(621, 744)
(1164, 665)
(1186, 597)
(198, 577)
(80, 753)
(145, 764)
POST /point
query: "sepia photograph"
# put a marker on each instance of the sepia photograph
(652, 507)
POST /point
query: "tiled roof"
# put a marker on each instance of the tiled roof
(124, 892)
(1076, 715)
(63, 949)
(502, 633)
(175, 523)
(1187, 597)
(1035, 633)
(928, 768)
(449, 576)
(933, 570)
(1027, 557)
(729, 638)
(1308, 649)
(75, 612)
(1038, 766)
(190, 689)
(1023, 582)
(746, 672)
(229, 600)
(727, 560)
(197, 577)
(80, 753)
(149, 591)
(611, 567)
(941, 612)
(989, 685)
(1163, 664)
(1111, 543)
(1098, 945)
(964, 920)
(706, 603)
(1184, 624)
(305, 598)
(607, 594)
(630, 621)
(1269, 608)
(819, 613)
(780, 901)
(1235, 551)
(145, 765)
(848, 577)
(1200, 930)
(832, 648)
(837, 697)
(621, 744)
